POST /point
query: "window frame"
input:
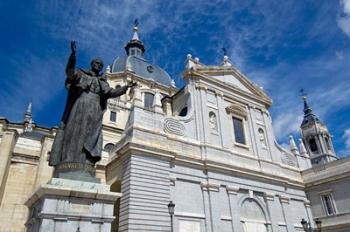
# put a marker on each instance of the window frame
(239, 111)
(328, 143)
(243, 130)
(143, 99)
(116, 117)
(317, 151)
(328, 194)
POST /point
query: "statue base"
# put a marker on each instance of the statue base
(71, 205)
(76, 171)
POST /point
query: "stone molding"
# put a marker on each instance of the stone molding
(174, 126)
(210, 186)
(235, 109)
(71, 188)
(172, 180)
(269, 196)
(231, 189)
(284, 199)
(307, 203)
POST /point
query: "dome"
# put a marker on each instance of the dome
(142, 68)
(135, 62)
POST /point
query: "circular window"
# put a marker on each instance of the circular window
(150, 69)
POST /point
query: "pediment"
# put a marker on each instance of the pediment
(233, 80)
(232, 77)
(236, 110)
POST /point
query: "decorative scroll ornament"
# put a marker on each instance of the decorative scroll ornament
(173, 126)
(236, 110)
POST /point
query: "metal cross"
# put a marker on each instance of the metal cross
(302, 92)
(225, 51)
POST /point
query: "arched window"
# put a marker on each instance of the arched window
(313, 145)
(108, 147)
(252, 216)
(183, 112)
(148, 99)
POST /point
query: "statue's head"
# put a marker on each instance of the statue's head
(96, 65)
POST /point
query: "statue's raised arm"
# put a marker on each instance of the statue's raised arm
(73, 46)
(70, 69)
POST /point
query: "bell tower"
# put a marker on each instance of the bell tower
(316, 137)
(135, 46)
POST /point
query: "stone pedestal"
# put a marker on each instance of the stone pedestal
(65, 205)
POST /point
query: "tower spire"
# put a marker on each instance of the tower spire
(28, 119)
(135, 46)
(316, 137)
(309, 116)
(136, 29)
(307, 109)
(28, 113)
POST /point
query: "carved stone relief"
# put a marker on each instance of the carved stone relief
(262, 138)
(213, 121)
(173, 126)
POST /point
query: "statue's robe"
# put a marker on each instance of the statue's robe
(79, 137)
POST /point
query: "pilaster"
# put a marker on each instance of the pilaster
(7, 144)
(284, 200)
(232, 192)
(44, 171)
(212, 217)
(272, 210)
(206, 187)
(307, 205)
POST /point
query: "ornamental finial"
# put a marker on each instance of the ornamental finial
(136, 25)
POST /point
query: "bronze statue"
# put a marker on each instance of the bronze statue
(78, 142)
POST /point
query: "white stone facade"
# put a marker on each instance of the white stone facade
(208, 147)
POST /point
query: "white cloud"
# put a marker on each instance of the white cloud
(324, 78)
(346, 137)
(343, 19)
(346, 150)
(339, 55)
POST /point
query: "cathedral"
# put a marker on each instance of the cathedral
(202, 158)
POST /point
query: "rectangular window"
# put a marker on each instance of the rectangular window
(113, 116)
(148, 100)
(238, 130)
(328, 203)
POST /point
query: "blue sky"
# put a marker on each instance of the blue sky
(281, 45)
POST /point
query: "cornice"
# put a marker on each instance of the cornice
(130, 147)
